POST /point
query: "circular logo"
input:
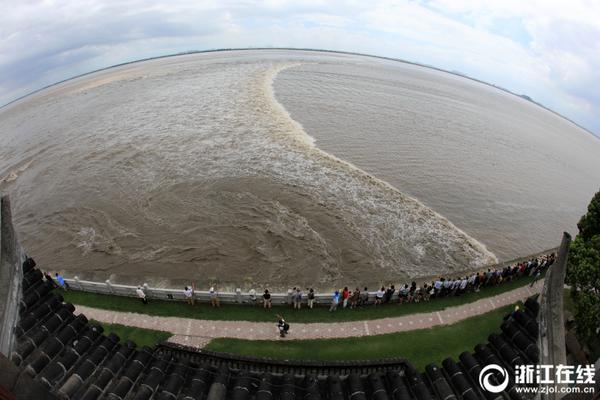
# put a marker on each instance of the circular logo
(485, 375)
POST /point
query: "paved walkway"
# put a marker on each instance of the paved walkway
(197, 332)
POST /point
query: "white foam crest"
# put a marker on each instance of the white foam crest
(295, 128)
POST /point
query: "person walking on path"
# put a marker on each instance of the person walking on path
(283, 326)
(141, 295)
(214, 297)
(189, 295)
(311, 298)
(335, 300)
(537, 277)
(267, 299)
(297, 297)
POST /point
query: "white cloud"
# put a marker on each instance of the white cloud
(551, 50)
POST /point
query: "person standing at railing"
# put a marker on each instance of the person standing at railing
(379, 296)
(345, 296)
(462, 288)
(364, 297)
(267, 299)
(354, 299)
(297, 298)
(189, 295)
(335, 300)
(403, 294)
(214, 297)
(61, 281)
(48, 278)
(252, 297)
(311, 297)
(141, 295)
(389, 293)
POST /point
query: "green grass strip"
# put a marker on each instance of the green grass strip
(232, 312)
(141, 337)
(420, 347)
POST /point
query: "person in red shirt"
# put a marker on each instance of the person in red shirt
(345, 296)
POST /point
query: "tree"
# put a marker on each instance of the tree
(589, 224)
(583, 271)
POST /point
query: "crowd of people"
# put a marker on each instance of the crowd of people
(443, 287)
(413, 293)
(347, 298)
(58, 281)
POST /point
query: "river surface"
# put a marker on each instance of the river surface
(282, 168)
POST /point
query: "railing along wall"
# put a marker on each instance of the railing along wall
(238, 297)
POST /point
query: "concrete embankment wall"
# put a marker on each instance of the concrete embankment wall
(552, 324)
(11, 277)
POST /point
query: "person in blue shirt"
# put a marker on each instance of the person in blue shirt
(61, 281)
(335, 300)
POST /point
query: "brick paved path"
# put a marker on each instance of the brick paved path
(197, 333)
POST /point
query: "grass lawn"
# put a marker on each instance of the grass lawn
(420, 347)
(142, 337)
(257, 313)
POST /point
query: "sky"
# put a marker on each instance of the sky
(546, 49)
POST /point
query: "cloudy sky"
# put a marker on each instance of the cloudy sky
(547, 49)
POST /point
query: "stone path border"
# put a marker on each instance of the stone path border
(197, 333)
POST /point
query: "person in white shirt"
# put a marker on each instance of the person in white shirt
(438, 287)
(447, 286)
(189, 295)
(141, 295)
(463, 285)
(252, 296)
(472, 279)
(379, 296)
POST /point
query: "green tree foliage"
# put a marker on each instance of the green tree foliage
(583, 273)
(589, 224)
